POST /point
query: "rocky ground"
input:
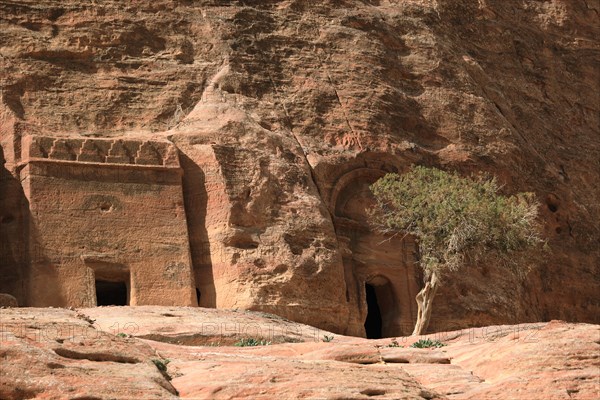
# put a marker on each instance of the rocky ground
(284, 111)
(118, 353)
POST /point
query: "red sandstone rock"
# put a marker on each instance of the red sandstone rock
(65, 354)
(413, 356)
(54, 354)
(283, 113)
(557, 360)
(6, 300)
(194, 326)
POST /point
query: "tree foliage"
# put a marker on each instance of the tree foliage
(452, 218)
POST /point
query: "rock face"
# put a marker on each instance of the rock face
(100, 211)
(118, 352)
(282, 114)
(6, 300)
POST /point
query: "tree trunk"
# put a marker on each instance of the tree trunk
(424, 301)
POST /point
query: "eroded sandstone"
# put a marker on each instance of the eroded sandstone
(114, 352)
(282, 113)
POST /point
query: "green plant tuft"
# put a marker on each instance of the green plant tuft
(427, 343)
(327, 338)
(246, 342)
(161, 364)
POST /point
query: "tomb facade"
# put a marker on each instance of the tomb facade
(106, 223)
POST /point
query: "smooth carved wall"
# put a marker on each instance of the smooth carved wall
(105, 210)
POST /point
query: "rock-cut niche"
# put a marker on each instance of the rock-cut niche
(379, 270)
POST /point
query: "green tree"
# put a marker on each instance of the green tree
(453, 219)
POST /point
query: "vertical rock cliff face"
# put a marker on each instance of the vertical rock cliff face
(13, 221)
(285, 111)
(261, 236)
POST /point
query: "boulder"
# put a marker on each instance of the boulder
(6, 300)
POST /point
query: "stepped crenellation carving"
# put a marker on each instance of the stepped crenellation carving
(148, 155)
(101, 151)
(64, 149)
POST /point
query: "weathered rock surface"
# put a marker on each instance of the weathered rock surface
(57, 353)
(106, 353)
(284, 112)
(199, 326)
(6, 300)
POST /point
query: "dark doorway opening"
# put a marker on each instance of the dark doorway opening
(111, 293)
(373, 323)
(198, 295)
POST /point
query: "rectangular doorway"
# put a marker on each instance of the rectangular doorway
(111, 293)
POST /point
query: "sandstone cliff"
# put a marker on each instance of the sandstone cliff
(284, 111)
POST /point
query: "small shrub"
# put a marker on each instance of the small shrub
(394, 343)
(246, 342)
(122, 335)
(427, 343)
(328, 338)
(161, 364)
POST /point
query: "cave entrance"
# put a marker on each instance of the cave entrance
(111, 293)
(373, 322)
(381, 308)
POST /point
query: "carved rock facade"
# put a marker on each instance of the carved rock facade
(105, 223)
(232, 146)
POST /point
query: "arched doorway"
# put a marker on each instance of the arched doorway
(382, 309)
(379, 269)
(373, 323)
